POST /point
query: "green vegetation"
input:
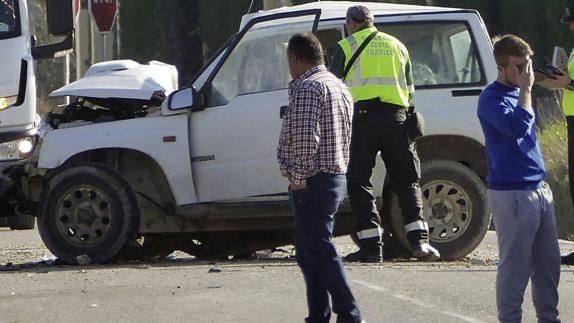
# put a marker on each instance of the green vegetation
(553, 141)
(183, 33)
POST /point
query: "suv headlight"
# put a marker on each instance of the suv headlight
(8, 101)
(16, 149)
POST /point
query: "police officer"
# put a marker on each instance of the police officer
(380, 81)
(566, 81)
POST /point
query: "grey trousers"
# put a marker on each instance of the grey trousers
(528, 249)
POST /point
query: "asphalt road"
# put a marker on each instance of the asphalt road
(269, 289)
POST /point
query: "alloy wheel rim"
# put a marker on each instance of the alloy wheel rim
(447, 209)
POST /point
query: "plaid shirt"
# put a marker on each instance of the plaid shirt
(316, 131)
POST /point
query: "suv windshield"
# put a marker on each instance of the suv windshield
(442, 53)
(8, 19)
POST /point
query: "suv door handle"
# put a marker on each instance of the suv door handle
(282, 111)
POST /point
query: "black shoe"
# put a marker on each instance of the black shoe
(364, 256)
(424, 251)
(567, 259)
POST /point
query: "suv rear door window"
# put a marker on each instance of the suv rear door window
(443, 54)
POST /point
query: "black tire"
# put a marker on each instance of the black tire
(21, 222)
(3, 221)
(90, 210)
(455, 207)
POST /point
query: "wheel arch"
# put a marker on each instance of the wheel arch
(140, 170)
(464, 150)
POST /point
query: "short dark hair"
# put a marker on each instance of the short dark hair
(306, 46)
(509, 45)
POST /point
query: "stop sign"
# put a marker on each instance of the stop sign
(76, 10)
(104, 13)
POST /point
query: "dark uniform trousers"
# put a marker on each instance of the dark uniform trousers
(380, 127)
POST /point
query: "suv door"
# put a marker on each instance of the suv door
(234, 139)
(448, 68)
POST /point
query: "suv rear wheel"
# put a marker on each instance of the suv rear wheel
(455, 207)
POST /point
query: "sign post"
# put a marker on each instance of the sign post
(104, 14)
(67, 59)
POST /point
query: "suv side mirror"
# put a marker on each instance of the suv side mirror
(60, 22)
(183, 99)
(60, 17)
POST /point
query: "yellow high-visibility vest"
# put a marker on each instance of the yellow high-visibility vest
(568, 99)
(380, 69)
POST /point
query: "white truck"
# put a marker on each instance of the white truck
(18, 118)
(199, 172)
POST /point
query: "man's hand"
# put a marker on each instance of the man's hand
(525, 76)
(561, 80)
(297, 187)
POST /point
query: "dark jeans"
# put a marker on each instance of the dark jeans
(383, 130)
(322, 267)
(570, 124)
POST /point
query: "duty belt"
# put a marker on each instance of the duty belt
(377, 104)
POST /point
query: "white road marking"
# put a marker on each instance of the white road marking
(418, 302)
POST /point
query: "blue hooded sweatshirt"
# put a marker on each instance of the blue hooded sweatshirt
(514, 158)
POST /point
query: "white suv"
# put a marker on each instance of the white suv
(201, 175)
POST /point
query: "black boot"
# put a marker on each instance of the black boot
(371, 250)
(420, 246)
(365, 255)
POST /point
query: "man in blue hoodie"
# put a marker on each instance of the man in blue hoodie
(520, 200)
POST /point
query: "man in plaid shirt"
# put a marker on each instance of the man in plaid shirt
(313, 154)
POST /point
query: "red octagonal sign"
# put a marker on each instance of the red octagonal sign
(104, 13)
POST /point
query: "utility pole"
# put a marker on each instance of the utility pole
(104, 14)
(82, 40)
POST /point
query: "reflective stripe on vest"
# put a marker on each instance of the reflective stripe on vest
(380, 69)
(568, 99)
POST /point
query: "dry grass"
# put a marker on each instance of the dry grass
(554, 144)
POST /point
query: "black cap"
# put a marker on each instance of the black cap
(361, 14)
(570, 12)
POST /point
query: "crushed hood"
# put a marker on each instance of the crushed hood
(123, 79)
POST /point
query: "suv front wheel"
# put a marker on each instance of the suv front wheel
(88, 210)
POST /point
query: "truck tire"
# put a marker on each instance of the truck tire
(21, 222)
(455, 207)
(88, 210)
